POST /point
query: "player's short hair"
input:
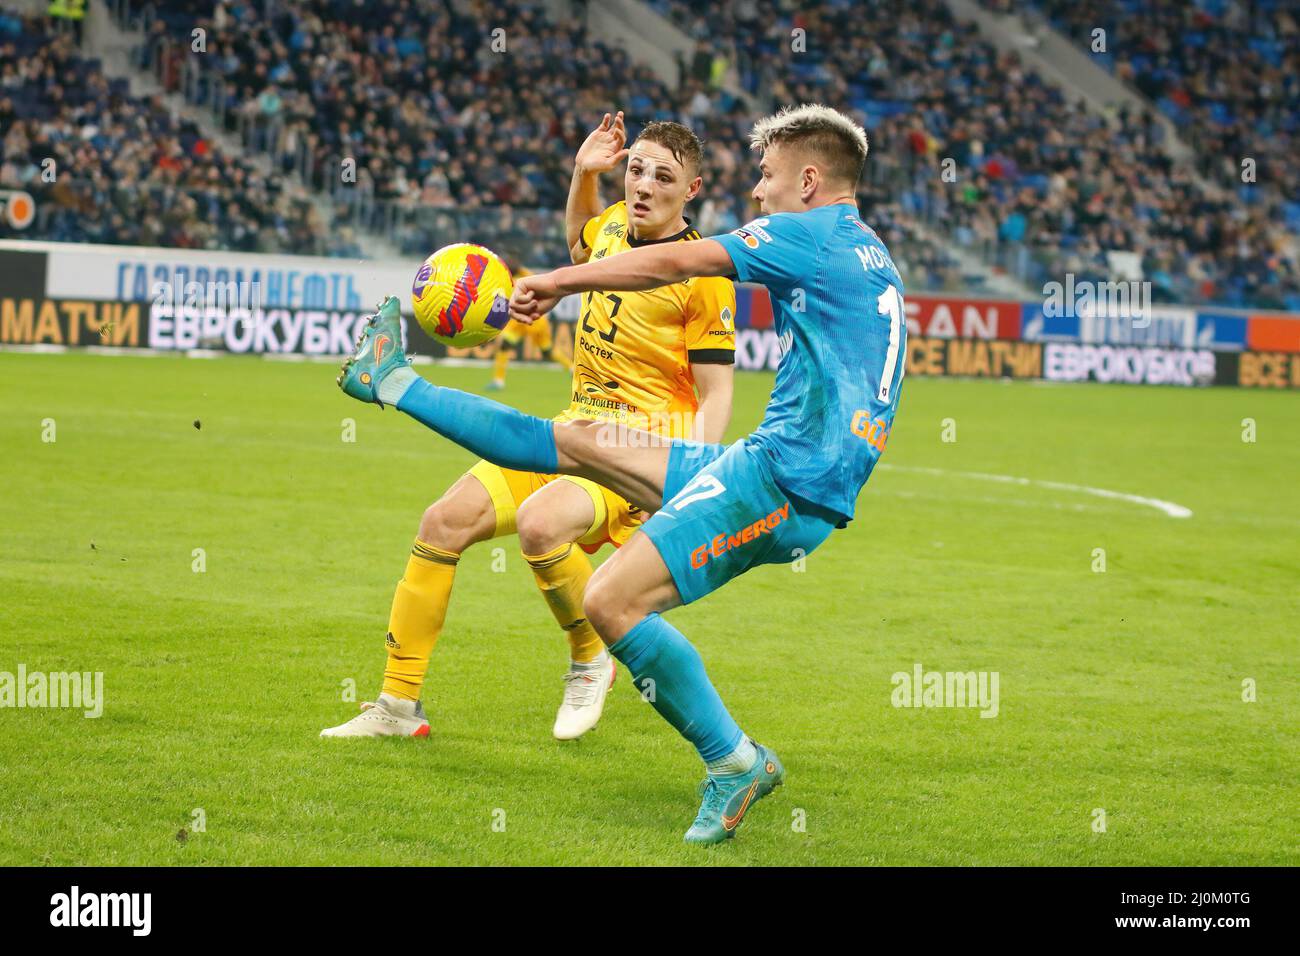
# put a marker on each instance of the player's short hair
(828, 134)
(679, 140)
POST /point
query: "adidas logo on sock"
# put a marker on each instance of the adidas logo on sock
(392, 641)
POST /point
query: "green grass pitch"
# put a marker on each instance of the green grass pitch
(1120, 691)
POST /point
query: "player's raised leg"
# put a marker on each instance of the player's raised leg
(550, 522)
(624, 601)
(463, 516)
(380, 373)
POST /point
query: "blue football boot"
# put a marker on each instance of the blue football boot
(379, 351)
(727, 798)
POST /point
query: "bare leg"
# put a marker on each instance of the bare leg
(630, 463)
(558, 513)
(633, 583)
(462, 516)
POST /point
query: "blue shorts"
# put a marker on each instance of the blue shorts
(724, 514)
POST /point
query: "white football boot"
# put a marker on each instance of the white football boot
(584, 699)
(389, 716)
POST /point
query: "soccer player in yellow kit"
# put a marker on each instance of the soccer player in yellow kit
(658, 361)
(516, 333)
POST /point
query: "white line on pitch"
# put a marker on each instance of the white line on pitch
(1168, 507)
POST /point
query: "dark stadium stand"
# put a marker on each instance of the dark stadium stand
(432, 126)
(449, 136)
(128, 170)
(1228, 75)
(466, 128)
(1053, 187)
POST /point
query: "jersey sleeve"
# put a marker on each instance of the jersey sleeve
(588, 234)
(591, 228)
(776, 250)
(711, 322)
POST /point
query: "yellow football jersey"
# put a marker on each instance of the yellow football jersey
(633, 351)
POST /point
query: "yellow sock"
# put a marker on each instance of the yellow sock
(562, 576)
(419, 608)
(499, 363)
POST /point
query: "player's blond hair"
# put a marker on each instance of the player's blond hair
(828, 134)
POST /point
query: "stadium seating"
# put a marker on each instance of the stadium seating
(466, 129)
(125, 169)
(1044, 187)
(1228, 75)
(449, 136)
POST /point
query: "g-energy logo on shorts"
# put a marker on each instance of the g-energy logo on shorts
(752, 232)
(751, 532)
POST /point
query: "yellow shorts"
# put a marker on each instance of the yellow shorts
(616, 518)
(539, 333)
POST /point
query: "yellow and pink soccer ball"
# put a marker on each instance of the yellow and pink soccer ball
(461, 294)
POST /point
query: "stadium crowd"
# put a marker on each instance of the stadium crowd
(969, 147)
(1038, 183)
(108, 167)
(467, 123)
(1226, 72)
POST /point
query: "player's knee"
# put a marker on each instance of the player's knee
(599, 608)
(539, 529)
(609, 608)
(450, 528)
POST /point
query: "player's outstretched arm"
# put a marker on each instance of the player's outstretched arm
(632, 271)
(602, 150)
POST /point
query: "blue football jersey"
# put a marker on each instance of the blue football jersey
(838, 303)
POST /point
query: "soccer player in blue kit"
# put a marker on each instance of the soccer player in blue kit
(717, 510)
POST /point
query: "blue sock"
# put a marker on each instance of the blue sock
(682, 693)
(497, 432)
